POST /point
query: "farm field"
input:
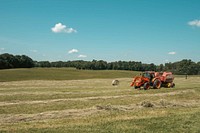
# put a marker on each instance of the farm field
(69, 100)
(60, 74)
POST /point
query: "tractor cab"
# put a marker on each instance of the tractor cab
(150, 75)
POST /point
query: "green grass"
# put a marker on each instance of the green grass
(90, 104)
(60, 74)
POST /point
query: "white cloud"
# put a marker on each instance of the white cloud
(73, 51)
(194, 23)
(82, 56)
(60, 28)
(172, 53)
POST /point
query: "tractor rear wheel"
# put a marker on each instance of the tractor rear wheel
(157, 84)
(146, 86)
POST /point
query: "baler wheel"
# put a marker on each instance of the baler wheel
(173, 85)
(169, 85)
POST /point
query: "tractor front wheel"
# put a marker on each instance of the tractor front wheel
(136, 87)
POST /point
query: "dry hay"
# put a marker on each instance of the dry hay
(106, 107)
(76, 113)
(13, 118)
(147, 104)
(97, 98)
(162, 103)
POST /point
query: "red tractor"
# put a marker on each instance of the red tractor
(154, 79)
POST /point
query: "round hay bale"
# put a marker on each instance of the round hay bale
(115, 82)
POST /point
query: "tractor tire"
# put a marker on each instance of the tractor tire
(157, 84)
(146, 86)
(135, 87)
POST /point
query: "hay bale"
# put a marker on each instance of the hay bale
(115, 82)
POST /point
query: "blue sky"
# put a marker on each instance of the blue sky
(151, 31)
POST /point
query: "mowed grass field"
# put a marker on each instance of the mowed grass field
(60, 74)
(72, 101)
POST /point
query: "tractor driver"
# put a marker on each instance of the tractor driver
(151, 76)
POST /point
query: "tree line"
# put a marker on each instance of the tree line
(8, 61)
(22, 61)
